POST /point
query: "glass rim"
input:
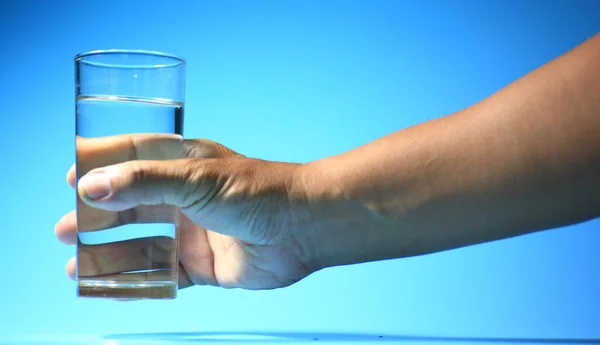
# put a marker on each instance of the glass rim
(81, 56)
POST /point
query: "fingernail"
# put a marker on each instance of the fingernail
(94, 186)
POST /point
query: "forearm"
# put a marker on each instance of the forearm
(523, 160)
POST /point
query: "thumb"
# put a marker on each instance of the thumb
(126, 185)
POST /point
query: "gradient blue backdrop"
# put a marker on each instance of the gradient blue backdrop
(293, 81)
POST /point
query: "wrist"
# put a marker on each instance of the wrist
(332, 226)
(312, 197)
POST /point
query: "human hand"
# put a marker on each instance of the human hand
(252, 207)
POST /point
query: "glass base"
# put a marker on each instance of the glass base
(127, 291)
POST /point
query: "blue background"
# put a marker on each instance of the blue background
(292, 81)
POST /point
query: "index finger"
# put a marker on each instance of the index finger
(103, 151)
(201, 148)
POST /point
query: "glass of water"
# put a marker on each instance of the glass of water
(136, 99)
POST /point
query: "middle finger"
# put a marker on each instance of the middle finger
(66, 228)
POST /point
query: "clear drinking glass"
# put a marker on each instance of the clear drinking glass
(137, 99)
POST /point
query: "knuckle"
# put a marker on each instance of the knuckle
(204, 148)
(138, 172)
(200, 148)
(224, 151)
(193, 173)
(140, 183)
